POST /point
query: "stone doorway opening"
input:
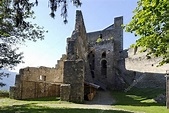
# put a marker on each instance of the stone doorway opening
(104, 68)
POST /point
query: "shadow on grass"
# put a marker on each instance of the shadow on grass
(138, 97)
(31, 108)
(44, 99)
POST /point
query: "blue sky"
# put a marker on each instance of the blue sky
(97, 14)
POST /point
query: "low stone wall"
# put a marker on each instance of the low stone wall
(32, 89)
(151, 80)
(65, 92)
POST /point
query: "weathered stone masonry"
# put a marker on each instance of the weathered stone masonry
(167, 91)
(105, 64)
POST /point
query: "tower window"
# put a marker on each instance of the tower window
(42, 78)
(104, 54)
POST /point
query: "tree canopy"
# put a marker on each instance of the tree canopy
(151, 23)
(15, 29)
(55, 4)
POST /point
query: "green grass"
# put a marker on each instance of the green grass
(30, 108)
(44, 105)
(135, 100)
(140, 100)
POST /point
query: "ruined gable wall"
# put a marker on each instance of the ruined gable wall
(81, 44)
(81, 38)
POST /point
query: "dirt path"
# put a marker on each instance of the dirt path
(103, 100)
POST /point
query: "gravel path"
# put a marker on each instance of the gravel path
(103, 100)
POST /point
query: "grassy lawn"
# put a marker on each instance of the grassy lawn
(140, 100)
(39, 106)
(134, 100)
(32, 108)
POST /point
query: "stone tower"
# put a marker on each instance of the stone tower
(103, 56)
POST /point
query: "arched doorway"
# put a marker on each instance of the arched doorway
(104, 68)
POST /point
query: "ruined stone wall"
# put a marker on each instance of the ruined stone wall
(32, 89)
(112, 45)
(78, 44)
(35, 74)
(74, 75)
(106, 34)
(108, 50)
(59, 69)
(138, 63)
(116, 32)
(167, 91)
(34, 82)
(81, 42)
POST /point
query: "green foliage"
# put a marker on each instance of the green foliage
(55, 4)
(4, 93)
(16, 29)
(151, 23)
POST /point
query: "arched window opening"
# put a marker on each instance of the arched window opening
(104, 68)
(104, 54)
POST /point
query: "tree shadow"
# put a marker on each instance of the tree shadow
(44, 99)
(138, 97)
(32, 108)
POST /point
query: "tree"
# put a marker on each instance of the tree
(15, 29)
(151, 23)
(55, 4)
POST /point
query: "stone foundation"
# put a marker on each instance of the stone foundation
(65, 92)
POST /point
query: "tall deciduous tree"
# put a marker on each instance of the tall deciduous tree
(15, 29)
(151, 23)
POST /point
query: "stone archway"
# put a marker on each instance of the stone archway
(104, 68)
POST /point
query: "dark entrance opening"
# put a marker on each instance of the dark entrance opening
(104, 54)
(91, 60)
(104, 68)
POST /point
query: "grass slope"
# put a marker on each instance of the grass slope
(140, 100)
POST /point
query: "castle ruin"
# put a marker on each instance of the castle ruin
(90, 64)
